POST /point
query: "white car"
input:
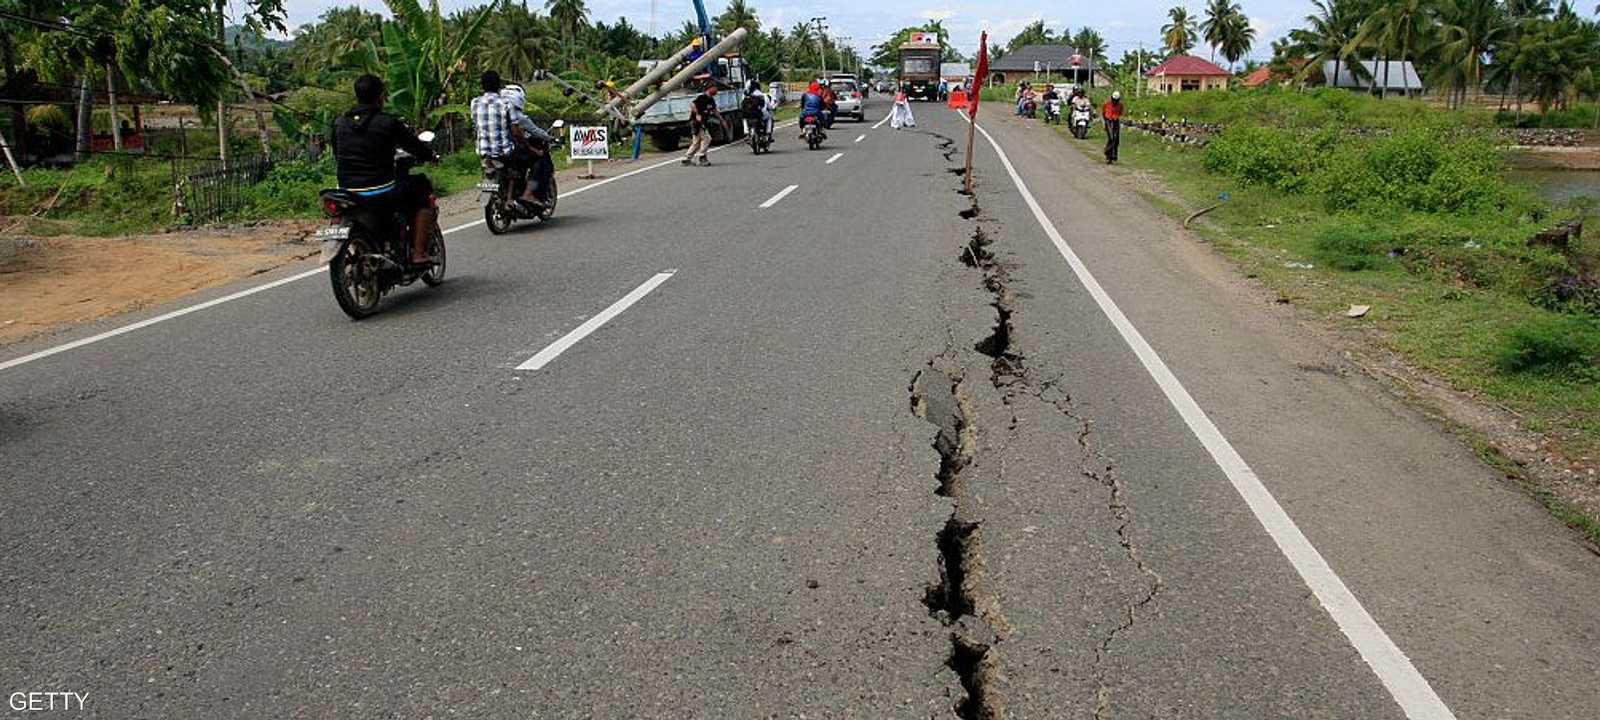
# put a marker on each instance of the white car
(850, 101)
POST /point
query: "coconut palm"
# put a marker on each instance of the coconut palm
(1327, 38)
(1236, 39)
(570, 16)
(1470, 30)
(1090, 45)
(1178, 36)
(1219, 13)
(1398, 27)
(517, 43)
(738, 15)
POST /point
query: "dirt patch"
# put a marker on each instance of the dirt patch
(47, 282)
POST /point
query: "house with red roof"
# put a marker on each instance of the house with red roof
(1186, 73)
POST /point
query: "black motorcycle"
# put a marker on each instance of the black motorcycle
(500, 192)
(759, 138)
(368, 249)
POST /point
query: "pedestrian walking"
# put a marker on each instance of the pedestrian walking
(900, 116)
(1112, 114)
(702, 111)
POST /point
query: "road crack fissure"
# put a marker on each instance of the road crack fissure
(1010, 374)
(961, 598)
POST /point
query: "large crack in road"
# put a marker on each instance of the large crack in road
(963, 597)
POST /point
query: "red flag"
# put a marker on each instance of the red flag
(978, 76)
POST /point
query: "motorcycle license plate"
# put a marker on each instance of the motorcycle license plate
(488, 186)
(330, 238)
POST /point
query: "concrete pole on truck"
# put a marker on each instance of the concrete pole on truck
(656, 73)
(688, 73)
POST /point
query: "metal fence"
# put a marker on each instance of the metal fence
(208, 190)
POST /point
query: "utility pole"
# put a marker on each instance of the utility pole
(844, 42)
(822, 48)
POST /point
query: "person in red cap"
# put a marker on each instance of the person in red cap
(1112, 115)
(701, 112)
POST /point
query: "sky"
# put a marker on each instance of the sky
(1123, 24)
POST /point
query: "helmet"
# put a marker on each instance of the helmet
(1116, 95)
(698, 41)
(514, 95)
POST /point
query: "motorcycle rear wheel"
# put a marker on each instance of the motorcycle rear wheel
(434, 276)
(356, 279)
(554, 194)
(497, 217)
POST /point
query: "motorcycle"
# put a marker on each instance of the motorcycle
(1079, 123)
(757, 135)
(499, 192)
(811, 131)
(368, 249)
(1052, 111)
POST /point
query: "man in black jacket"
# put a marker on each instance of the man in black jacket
(364, 144)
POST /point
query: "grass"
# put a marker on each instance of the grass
(1461, 325)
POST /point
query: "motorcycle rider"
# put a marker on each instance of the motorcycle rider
(1050, 98)
(812, 106)
(491, 117)
(759, 105)
(532, 146)
(830, 104)
(364, 143)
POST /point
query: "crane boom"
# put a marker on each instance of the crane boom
(704, 20)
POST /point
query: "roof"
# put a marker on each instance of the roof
(1261, 76)
(1053, 57)
(1401, 75)
(1186, 65)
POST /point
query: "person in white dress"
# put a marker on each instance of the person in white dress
(901, 117)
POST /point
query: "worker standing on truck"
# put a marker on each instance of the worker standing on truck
(701, 112)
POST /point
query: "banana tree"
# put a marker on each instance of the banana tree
(418, 61)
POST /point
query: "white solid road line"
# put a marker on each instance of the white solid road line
(834, 159)
(881, 122)
(859, 138)
(592, 324)
(775, 199)
(151, 321)
(1408, 687)
(25, 359)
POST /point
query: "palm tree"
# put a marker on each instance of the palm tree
(1218, 14)
(1470, 30)
(1398, 27)
(1237, 37)
(570, 16)
(1326, 38)
(1090, 45)
(517, 43)
(738, 15)
(1178, 36)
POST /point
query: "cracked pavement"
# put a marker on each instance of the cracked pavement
(872, 452)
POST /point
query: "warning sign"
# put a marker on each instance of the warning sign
(590, 143)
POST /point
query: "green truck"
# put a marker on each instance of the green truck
(919, 66)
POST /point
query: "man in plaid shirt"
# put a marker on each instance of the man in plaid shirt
(492, 120)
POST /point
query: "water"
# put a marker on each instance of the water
(1559, 186)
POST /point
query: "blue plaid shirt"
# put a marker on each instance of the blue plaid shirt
(492, 119)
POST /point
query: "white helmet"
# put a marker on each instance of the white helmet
(1116, 95)
(514, 95)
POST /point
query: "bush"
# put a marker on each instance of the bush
(1552, 345)
(1423, 169)
(1283, 159)
(1351, 246)
(290, 189)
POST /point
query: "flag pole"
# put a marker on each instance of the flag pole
(972, 107)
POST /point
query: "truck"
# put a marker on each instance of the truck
(919, 66)
(666, 123)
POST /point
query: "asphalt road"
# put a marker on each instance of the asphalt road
(803, 475)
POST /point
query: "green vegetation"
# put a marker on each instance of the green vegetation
(1420, 223)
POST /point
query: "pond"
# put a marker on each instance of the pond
(1559, 186)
